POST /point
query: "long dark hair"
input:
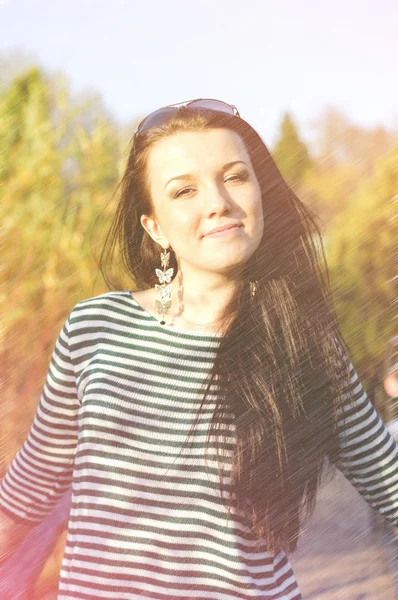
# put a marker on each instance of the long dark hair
(279, 364)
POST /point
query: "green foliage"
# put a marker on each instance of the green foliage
(55, 177)
(291, 154)
(344, 155)
(361, 256)
(60, 165)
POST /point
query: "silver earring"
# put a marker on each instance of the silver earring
(164, 291)
(253, 288)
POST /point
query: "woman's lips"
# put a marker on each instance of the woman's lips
(224, 232)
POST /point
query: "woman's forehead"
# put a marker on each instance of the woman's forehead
(210, 148)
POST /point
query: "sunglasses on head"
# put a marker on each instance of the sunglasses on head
(160, 116)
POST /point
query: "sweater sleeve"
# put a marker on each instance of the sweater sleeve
(369, 453)
(42, 469)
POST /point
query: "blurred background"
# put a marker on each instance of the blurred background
(317, 83)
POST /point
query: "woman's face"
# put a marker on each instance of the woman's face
(194, 188)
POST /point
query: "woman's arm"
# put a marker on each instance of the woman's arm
(369, 453)
(42, 469)
(11, 535)
(24, 559)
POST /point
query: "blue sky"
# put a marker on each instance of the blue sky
(265, 57)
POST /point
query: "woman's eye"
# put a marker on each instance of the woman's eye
(232, 176)
(238, 177)
(241, 177)
(181, 192)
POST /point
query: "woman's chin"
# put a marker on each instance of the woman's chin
(226, 267)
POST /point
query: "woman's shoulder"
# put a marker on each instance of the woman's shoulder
(100, 304)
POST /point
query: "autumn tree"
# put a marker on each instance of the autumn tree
(61, 161)
(60, 164)
(362, 257)
(344, 155)
(290, 153)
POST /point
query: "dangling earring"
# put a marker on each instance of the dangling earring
(253, 288)
(164, 291)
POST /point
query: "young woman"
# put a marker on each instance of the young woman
(197, 416)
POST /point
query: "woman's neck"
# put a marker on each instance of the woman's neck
(201, 302)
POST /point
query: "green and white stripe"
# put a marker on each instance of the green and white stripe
(120, 397)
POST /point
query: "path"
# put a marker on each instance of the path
(340, 556)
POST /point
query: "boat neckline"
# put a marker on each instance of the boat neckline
(171, 328)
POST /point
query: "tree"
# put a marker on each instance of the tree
(343, 156)
(291, 154)
(61, 161)
(362, 260)
(60, 166)
(340, 142)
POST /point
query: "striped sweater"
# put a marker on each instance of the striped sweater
(147, 522)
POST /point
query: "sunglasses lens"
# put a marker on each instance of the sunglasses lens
(213, 105)
(156, 118)
(160, 116)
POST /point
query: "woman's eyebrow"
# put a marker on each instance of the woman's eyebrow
(190, 176)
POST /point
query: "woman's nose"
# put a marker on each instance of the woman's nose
(216, 200)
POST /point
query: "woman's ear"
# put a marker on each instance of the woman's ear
(153, 228)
